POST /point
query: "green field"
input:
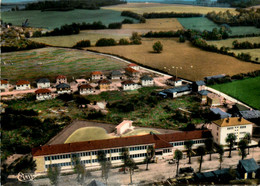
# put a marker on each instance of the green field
(247, 90)
(88, 134)
(50, 62)
(53, 19)
(203, 23)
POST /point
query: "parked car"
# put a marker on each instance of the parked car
(186, 170)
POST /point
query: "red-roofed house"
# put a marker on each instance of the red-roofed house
(131, 72)
(4, 85)
(97, 75)
(134, 66)
(22, 85)
(174, 81)
(43, 94)
(86, 89)
(123, 127)
(61, 79)
(164, 144)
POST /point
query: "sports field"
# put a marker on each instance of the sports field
(88, 134)
(247, 90)
(181, 55)
(50, 62)
(53, 19)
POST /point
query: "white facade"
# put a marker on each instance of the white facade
(43, 96)
(64, 91)
(179, 94)
(131, 86)
(174, 83)
(147, 83)
(86, 91)
(124, 126)
(44, 85)
(97, 76)
(23, 87)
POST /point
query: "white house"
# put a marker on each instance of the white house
(61, 79)
(22, 85)
(134, 66)
(116, 74)
(147, 81)
(236, 125)
(43, 83)
(132, 72)
(97, 75)
(123, 127)
(130, 85)
(4, 85)
(174, 81)
(43, 94)
(86, 89)
(63, 88)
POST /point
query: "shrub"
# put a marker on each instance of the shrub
(136, 38)
(123, 42)
(127, 21)
(37, 34)
(182, 39)
(133, 15)
(106, 42)
(82, 43)
(115, 26)
(158, 47)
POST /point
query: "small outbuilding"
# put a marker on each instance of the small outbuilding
(213, 100)
(198, 86)
(247, 169)
(203, 95)
(123, 127)
(174, 81)
(177, 91)
(134, 66)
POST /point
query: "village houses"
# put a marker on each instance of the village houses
(174, 81)
(22, 85)
(4, 85)
(97, 75)
(43, 94)
(43, 83)
(134, 66)
(132, 72)
(104, 84)
(63, 88)
(86, 89)
(130, 85)
(116, 74)
(61, 79)
(147, 81)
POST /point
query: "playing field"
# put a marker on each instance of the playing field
(181, 55)
(53, 19)
(88, 134)
(157, 7)
(247, 90)
(50, 62)
(141, 132)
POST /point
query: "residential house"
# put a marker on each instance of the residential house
(198, 86)
(61, 79)
(81, 81)
(131, 72)
(97, 75)
(123, 127)
(22, 85)
(147, 81)
(176, 92)
(203, 94)
(236, 125)
(213, 100)
(43, 83)
(86, 89)
(104, 84)
(247, 169)
(134, 66)
(165, 144)
(63, 88)
(221, 113)
(4, 85)
(43, 94)
(116, 74)
(174, 81)
(130, 85)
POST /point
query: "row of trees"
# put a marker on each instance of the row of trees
(153, 15)
(239, 3)
(245, 45)
(133, 15)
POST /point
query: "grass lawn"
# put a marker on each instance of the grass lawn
(141, 132)
(181, 55)
(157, 7)
(203, 23)
(88, 134)
(247, 90)
(53, 19)
(50, 62)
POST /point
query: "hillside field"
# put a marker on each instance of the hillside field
(50, 62)
(247, 90)
(181, 55)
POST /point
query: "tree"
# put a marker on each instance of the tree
(178, 156)
(248, 138)
(101, 156)
(53, 173)
(201, 151)
(136, 38)
(158, 47)
(242, 144)
(220, 151)
(131, 165)
(150, 152)
(181, 39)
(188, 145)
(209, 146)
(79, 169)
(231, 138)
(126, 157)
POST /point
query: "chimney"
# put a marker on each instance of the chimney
(240, 118)
(227, 120)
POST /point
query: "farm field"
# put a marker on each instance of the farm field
(52, 19)
(50, 62)
(203, 23)
(158, 7)
(181, 55)
(88, 134)
(125, 32)
(247, 90)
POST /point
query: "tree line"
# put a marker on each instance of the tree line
(240, 3)
(133, 15)
(245, 45)
(153, 15)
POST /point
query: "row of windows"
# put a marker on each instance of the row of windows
(138, 155)
(137, 148)
(117, 158)
(198, 141)
(229, 128)
(178, 143)
(242, 127)
(167, 150)
(57, 157)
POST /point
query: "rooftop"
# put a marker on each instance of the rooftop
(174, 78)
(146, 78)
(132, 65)
(215, 77)
(22, 82)
(42, 91)
(250, 114)
(177, 89)
(128, 82)
(131, 70)
(43, 80)
(61, 77)
(200, 83)
(86, 86)
(249, 165)
(96, 73)
(4, 82)
(231, 122)
(116, 73)
(203, 92)
(220, 112)
(63, 85)
(104, 81)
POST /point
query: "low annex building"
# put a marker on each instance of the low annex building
(198, 86)
(43, 83)
(61, 79)
(176, 92)
(43, 94)
(123, 127)
(22, 85)
(164, 144)
(236, 125)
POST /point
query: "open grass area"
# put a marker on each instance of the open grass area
(88, 134)
(158, 7)
(203, 23)
(53, 19)
(247, 90)
(181, 55)
(50, 62)
(141, 132)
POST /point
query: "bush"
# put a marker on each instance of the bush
(182, 39)
(123, 42)
(127, 21)
(133, 15)
(158, 47)
(106, 42)
(82, 43)
(136, 38)
(65, 97)
(170, 15)
(37, 34)
(115, 26)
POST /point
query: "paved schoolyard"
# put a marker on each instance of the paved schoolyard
(157, 171)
